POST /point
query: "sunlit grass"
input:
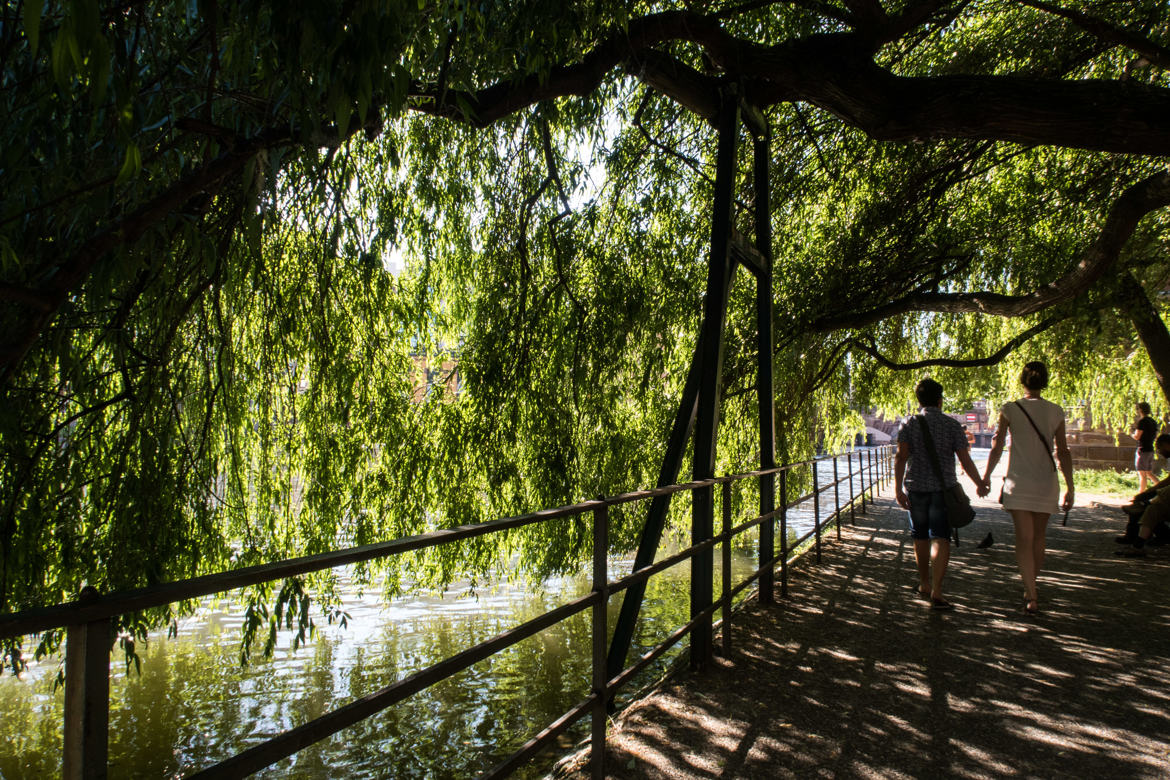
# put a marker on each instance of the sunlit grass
(1106, 481)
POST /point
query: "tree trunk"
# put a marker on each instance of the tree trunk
(1151, 329)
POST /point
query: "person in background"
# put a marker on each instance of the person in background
(919, 490)
(1149, 511)
(1030, 489)
(1144, 431)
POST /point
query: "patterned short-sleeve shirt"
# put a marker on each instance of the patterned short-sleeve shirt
(949, 438)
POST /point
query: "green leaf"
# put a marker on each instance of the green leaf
(341, 115)
(99, 59)
(33, 9)
(131, 165)
(59, 60)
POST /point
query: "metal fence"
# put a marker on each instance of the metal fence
(88, 642)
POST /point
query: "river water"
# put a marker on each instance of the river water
(193, 704)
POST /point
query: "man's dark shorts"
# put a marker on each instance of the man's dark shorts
(928, 515)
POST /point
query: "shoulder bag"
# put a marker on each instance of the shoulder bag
(958, 505)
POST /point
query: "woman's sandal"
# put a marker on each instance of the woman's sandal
(1031, 607)
(940, 604)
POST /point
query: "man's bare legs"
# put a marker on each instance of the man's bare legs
(922, 560)
(931, 557)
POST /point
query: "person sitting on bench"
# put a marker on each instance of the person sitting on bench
(1149, 511)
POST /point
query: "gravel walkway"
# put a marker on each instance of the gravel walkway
(853, 676)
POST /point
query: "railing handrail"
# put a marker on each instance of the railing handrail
(101, 607)
(88, 619)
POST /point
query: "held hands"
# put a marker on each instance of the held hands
(983, 487)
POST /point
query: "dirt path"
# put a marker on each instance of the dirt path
(855, 677)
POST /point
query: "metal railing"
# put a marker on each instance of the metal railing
(88, 642)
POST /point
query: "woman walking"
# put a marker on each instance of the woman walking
(1030, 489)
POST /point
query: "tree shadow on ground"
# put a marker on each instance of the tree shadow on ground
(854, 676)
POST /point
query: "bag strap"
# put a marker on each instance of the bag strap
(1047, 446)
(930, 448)
(929, 440)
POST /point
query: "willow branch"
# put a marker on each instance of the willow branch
(866, 344)
(74, 269)
(1099, 28)
(1098, 259)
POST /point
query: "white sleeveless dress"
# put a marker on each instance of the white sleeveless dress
(1031, 483)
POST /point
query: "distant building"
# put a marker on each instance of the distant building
(426, 377)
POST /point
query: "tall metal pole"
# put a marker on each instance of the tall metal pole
(707, 419)
(680, 434)
(764, 383)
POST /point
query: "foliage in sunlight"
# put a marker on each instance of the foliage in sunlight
(207, 363)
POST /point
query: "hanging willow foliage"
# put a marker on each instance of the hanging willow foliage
(279, 278)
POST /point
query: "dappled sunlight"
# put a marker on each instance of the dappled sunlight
(854, 676)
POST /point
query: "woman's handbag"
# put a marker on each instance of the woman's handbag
(958, 505)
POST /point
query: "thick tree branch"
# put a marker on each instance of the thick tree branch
(838, 75)
(1136, 305)
(837, 72)
(1099, 258)
(833, 71)
(866, 344)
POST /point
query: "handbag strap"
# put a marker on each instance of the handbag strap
(1035, 427)
(929, 440)
(933, 452)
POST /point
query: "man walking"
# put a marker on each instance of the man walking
(920, 491)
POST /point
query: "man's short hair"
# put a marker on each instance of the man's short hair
(929, 393)
(1144, 408)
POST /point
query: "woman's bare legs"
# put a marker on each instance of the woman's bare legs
(1031, 536)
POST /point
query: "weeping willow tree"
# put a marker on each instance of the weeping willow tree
(236, 239)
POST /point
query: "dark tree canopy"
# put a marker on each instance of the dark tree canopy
(206, 359)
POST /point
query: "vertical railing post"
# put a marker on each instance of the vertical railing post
(836, 497)
(726, 569)
(600, 643)
(861, 478)
(874, 483)
(816, 507)
(87, 697)
(852, 495)
(784, 533)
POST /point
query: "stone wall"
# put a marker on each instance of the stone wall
(1099, 450)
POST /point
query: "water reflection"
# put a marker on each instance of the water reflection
(193, 704)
